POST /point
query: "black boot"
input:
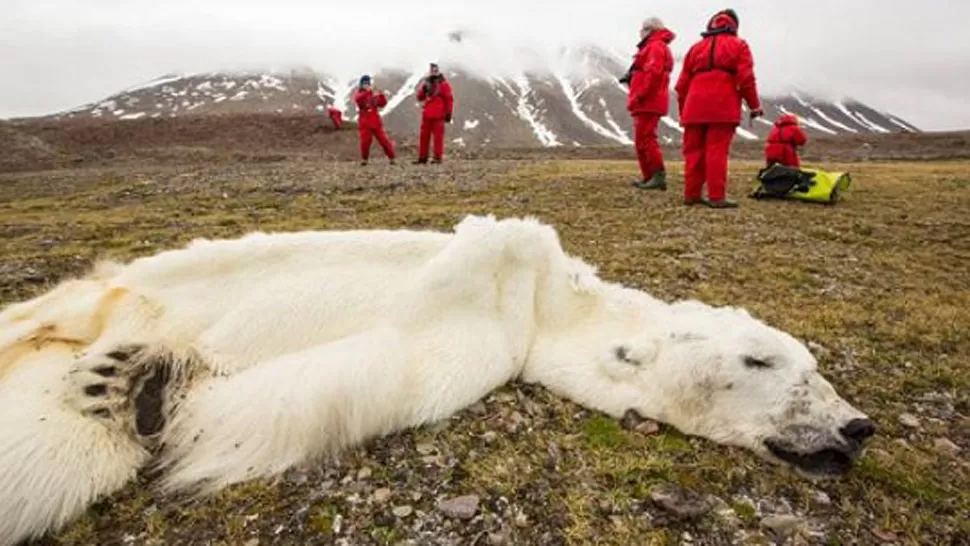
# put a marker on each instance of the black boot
(657, 182)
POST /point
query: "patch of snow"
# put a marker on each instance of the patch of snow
(240, 95)
(809, 122)
(136, 115)
(406, 90)
(833, 122)
(155, 83)
(901, 124)
(219, 98)
(118, 112)
(266, 80)
(612, 123)
(763, 121)
(842, 107)
(744, 133)
(459, 141)
(471, 124)
(204, 86)
(573, 99)
(528, 113)
(156, 114)
(800, 100)
(669, 122)
(871, 125)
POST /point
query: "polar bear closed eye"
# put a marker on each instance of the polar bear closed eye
(242, 358)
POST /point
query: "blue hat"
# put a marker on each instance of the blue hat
(364, 80)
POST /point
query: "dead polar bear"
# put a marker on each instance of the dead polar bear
(231, 360)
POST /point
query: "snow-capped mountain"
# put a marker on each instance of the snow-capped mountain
(575, 101)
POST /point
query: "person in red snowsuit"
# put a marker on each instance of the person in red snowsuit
(336, 116)
(369, 122)
(718, 72)
(649, 99)
(783, 142)
(437, 104)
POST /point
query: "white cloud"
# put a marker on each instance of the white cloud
(57, 54)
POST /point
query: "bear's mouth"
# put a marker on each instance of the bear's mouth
(827, 462)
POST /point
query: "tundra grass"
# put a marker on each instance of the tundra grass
(877, 284)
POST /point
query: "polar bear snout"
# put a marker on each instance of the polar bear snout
(859, 430)
(819, 453)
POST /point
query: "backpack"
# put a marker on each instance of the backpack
(781, 182)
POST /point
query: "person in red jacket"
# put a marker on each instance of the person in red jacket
(783, 142)
(437, 103)
(718, 73)
(649, 99)
(336, 116)
(369, 122)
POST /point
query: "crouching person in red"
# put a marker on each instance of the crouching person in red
(783, 142)
(437, 103)
(336, 116)
(649, 99)
(369, 122)
(718, 73)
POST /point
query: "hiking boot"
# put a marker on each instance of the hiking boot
(436, 161)
(419, 161)
(363, 163)
(690, 201)
(722, 204)
(391, 162)
(657, 182)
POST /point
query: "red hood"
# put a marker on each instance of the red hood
(787, 119)
(663, 34)
(722, 22)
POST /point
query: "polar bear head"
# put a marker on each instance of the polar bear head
(722, 374)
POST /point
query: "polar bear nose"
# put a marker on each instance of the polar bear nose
(859, 430)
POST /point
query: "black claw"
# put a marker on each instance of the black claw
(121, 355)
(106, 371)
(96, 390)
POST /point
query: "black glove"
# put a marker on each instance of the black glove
(447, 118)
(625, 79)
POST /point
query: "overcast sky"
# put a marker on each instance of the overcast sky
(912, 59)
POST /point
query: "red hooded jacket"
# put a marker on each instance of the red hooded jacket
(783, 142)
(718, 72)
(650, 84)
(369, 105)
(437, 97)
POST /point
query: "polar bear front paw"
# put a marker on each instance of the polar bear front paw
(108, 387)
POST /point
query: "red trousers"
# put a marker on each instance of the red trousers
(649, 155)
(367, 134)
(706, 148)
(337, 120)
(429, 127)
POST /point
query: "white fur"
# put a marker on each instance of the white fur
(287, 347)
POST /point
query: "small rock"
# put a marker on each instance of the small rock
(520, 520)
(909, 420)
(782, 525)
(679, 502)
(885, 536)
(648, 428)
(504, 398)
(298, 478)
(402, 511)
(463, 507)
(631, 419)
(946, 446)
(416, 496)
(364, 473)
(425, 449)
(478, 408)
(439, 427)
(252, 542)
(382, 495)
(818, 349)
(498, 539)
(821, 497)
(490, 437)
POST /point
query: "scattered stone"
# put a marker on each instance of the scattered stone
(464, 507)
(885, 536)
(521, 520)
(648, 428)
(782, 525)
(490, 437)
(680, 502)
(298, 478)
(252, 542)
(823, 498)
(364, 473)
(909, 420)
(439, 427)
(631, 419)
(425, 449)
(382, 495)
(498, 539)
(818, 349)
(402, 511)
(478, 408)
(946, 446)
